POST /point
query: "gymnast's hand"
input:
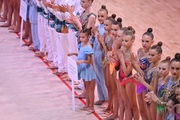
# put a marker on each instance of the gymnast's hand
(139, 77)
(151, 96)
(133, 58)
(69, 9)
(52, 1)
(72, 19)
(79, 62)
(109, 54)
(61, 8)
(100, 39)
(48, 4)
(70, 54)
(94, 31)
(120, 54)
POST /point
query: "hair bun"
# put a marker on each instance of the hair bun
(159, 44)
(113, 16)
(103, 7)
(119, 20)
(168, 58)
(177, 56)
(150, 30)
(90, 28)
(129, 28)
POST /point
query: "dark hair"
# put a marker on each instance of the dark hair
(167, 60)
(158, 47)
(130, 31)
(176, 58)
(149, 33)
(176, 87)
(111, 18)
(103, 7)
(118, 22)
(87, 31)
(172, 94)
(174, 100)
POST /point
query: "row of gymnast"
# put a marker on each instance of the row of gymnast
(127, 91)
(106, 58)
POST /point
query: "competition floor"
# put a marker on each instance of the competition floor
(29, 91)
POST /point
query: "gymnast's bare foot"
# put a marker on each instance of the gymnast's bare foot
(39, 54)
(12, 27)
(15, 31)
(5, 25)
(25, 36)
(2, 20)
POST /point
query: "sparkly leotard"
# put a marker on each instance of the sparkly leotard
(84, 21)
(108, 42)
(169, 116)
(169, 88)
(177, 115)
(144, 64)
(122, 77)
(149, 76)
(160, 94)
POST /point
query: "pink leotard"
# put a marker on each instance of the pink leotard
(122, 77)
